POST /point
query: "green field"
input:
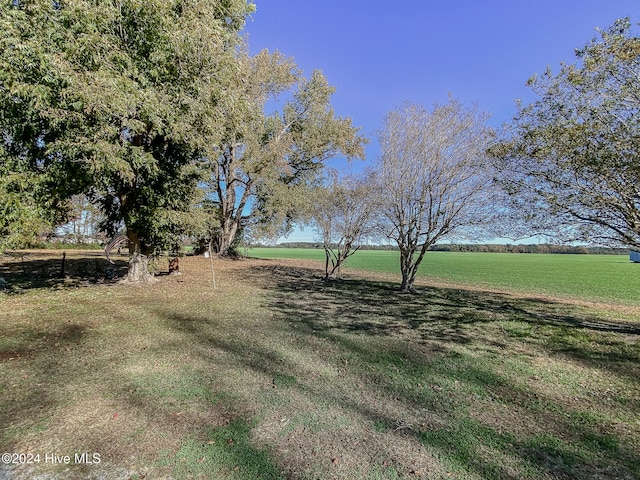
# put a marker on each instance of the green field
(600, 278)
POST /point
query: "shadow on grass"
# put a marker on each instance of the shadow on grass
(25, 398)
(447, 319)
(448, 315)
(350, 300)
(567, 449)
(256, 357)
(431, 359)
(228, 453)
(22, 271)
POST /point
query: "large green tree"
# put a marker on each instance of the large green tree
(34, 181)
(261, 171)
(570, 158)
(120, 99)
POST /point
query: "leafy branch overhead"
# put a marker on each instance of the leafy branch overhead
(570, 159)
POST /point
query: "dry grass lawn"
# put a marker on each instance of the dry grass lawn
(277, 374)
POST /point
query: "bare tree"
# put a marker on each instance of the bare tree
(342, 214)
(433, 178)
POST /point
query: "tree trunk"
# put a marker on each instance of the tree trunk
(332, 273)
(407, 284)
(405, 266)
(333, 263)
(408, 272)
(226, 237)
(326, 263)
(223, 244)
(138, 261)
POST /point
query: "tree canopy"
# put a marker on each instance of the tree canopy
(570, 158)
(137, 105)
(433, 177)
(34, 180)
(262, 170)
(119, 100)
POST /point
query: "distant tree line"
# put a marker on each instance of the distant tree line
(478, 248)
(320, 245)
(531, 248)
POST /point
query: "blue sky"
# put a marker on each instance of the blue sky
(380, 53)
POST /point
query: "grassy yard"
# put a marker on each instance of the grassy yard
(596, 278)
(277, 374)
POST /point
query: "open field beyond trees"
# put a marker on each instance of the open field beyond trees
(596, 278)
(278, 374)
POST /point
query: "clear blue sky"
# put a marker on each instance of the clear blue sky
(380, 53)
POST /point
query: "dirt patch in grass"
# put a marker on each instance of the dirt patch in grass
(278, 374)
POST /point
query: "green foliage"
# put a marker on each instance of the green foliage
(262, 170)
(22, 220)
(118, 100)
(34, 181)
(137, 103)
(569, 159)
